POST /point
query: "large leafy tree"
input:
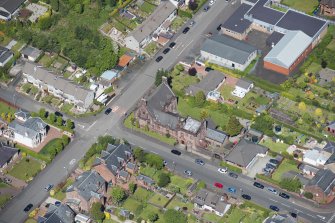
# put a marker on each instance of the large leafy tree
(234, 127)
(154, 160)
(163, 180)
(118, 195)
(173, 216)
(96, 212)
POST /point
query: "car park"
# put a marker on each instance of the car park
(159, 59)
(272, 190)
(218, 185)
(283, 195)
(207, 69)
(274, 208)
(199, 162)
(166, 50)
(232, 190)
(171, 45)
(186, 30)
(48, 187)
(28, 207)
(246, 196)
(256, 184)
(188, 173)
(107, 111)
(223, 170)
(176, 152)
(233, 175)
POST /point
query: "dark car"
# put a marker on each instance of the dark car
(159, 59)
(206, 8)
(274, 162)
(108, 110)
(274, 208)
(233, 175)
(186, 30)
(270, 166)
(294, 215)
(58, 203)
(200, 162)
(166, 50)
(283, 195)
(176, 152)
(246, 196)
(48, 187)
(261, 186)
(172, 44)
(207, 69)
(28, 207)
(219, 27)
(57, 113)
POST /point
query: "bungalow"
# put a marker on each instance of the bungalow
(31, 53)
(316, 157)
(242, 87)
(9, 7)
(154, 24)
(5, 55)
(7, 155)
(59, 214)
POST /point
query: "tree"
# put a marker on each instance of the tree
(159, 76)
(302, 106)
(290, 184)
(200, 99)
(52, 118)
(154, 160)
(42, 113)
(204, 114)
(44, 23)
(192, 71)
(234, 126)
(318, 112)
(192, 5)
(69, 124)
(59, 121)
(96, 212)
(163, 180)
(118, 195)
(152, 217)
(139, 154)
(323, 63)
(111, 3)
(173, 216)
(54, 5)
(132, 187)
(201, 185)
(264, 123)
(79, 8)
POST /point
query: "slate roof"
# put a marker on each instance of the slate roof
(274, 38)
(61, 214)
(201, 197)
(331, 125)
(243, 153)
(294, 175)
(243, 83)
(11, 5)
(146, 179)
(280, 218)
(325, 179)
(228, 48)
(209, 83)
(288, 49)
(216, 135)
(308, 168)
(65, 85)
(297, 21)
(329, 3)
(236, 21)
(31, 52)
(22, 114)
(265, 14)
(88, 184)
(6, 154)
(30, 128)
(5, 54)
(161, 13)
(330, 147)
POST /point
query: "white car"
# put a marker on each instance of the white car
(211, 3)
(223, 170)
(272, 190)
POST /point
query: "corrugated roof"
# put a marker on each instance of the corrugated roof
(288, 49)
(228, 48)
(236, 21)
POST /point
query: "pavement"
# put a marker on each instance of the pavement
(88, 130)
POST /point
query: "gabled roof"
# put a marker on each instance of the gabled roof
(243, 83)
(11, 5)
(31, 52)
(236, 22)
(61, 214)
(145, 179)
(228, 48)
(88, 184)
(5, 54)
(209, 83)
(124, 60)
(329, 3)
(22, 114)
(216, 135)
(288, 49)
(6, 154)
(243, 153)
(30, 128)
(324, 179)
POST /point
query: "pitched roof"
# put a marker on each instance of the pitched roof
(88, 184)
(265, 14)
(288, 49)
(325, 179)
(280, 218)
(161, 13)
(5, 54)
(209, 83)
(228, 48)
(216, 135)
(236, 21)
(146, 179)
(30, 128)
(295, 175)
(192, 125)
(243, 153)
(11, 5)
(124, 60)
(6, 154)
(65, 85)
(31, 52)
(329, 3)
(109, 74)
(61, 214)
(243, 83)
(22, 114)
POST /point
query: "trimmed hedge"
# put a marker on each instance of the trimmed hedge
(31, 153)
(231, 167)
(183, 13)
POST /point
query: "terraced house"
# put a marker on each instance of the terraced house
(58, 86)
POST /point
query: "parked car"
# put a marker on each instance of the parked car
(48, 187)
(206, 8)
(294, 215)
(223, 170)
(165, 163)
(159, 59)
(28, 207)
(57, 113)
(166, 50)
(233, 175)
(274, 162)
(283, 195)
(192, 23)
(261, 186)
(270, 166)
(246, 196)
(176, 152)
(171, 45)
(58, 203)
(207, 69)
(107, 111)
(186, 30)
(219, 27)
(272, 190)
(267, 170)
(274, 208)
(232, 190)
(218, 185)
(200, 162)
(188, 173)
(211, 2)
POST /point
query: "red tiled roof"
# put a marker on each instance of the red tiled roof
(124, 60)
(104, 172)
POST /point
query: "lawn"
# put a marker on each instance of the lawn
(30, 220)
(159, 200)
(177, 23)
(4, 198)
(226, 90)
(285, 166)
(211, 217)
(176, 202)
(274, 146)
(147, 7)
(181, 183)
(306, 6)
(60, 194)
(133, 205)
(67, 108)
(46, 60)
(148, 210)
(331, 45)
(4, 108)
(3, 185)
(142, 195)
(151, 48)
(49, 147)
(246, 213)
(26, 169)
(182, 81)
(313, 68)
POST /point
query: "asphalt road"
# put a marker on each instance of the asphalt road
(89, 129)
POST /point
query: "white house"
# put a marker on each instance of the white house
(228, 52)
(60, 87)
(316, 157)
(5, 56)
(242, 87)
(154, 24)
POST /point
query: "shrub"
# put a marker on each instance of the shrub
(308, 195)
(290, 184)
(163, 180)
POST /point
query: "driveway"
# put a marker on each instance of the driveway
(258, 166)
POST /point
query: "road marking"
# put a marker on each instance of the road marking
(273, 200)
(91, 126)
(115, 108)
(322, 217)
(310, 215)
(72, 161)
(331, 219)
(285, 205)
(185, 47)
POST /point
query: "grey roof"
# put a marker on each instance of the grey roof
(308, 168)
(22, 114)
(255, 132)
(265, 14)
(330, 147)
(6, 154)
(280, 218)
(131, 165)
(146, 179)
(65, 85)
(61, 214)
(212, 199)
(192, 125)
(244, 152)
(243, 83)
(274, 38)
(236, 21)
(228, 48)
(297, 21)
(216, 135)
(329, 3)
(161, 13)
(30, 128)
(201, 197)
(124, 174)
(295, 175)
(5, 54)
(31, 51)
(288, 49)
(11, 5)
(88, 184)
(209, 83)
(324, 179)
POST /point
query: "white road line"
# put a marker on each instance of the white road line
(285, 205)
(331, 219)
(311, 215)
(90, 126)
(273, 200)
(185, 47)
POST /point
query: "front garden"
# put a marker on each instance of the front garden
(26, 169)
